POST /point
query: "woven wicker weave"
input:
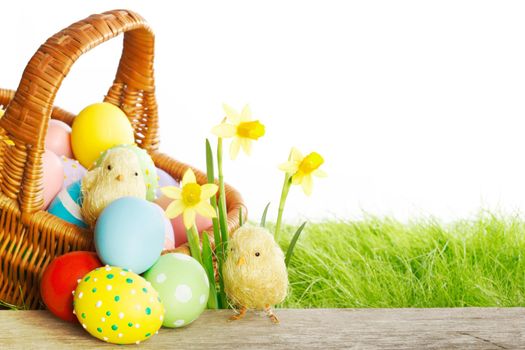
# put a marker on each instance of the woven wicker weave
(30, 237)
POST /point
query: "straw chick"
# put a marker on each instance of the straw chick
(254, 272)
(118, 175)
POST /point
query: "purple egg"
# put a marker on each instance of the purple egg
(165, 179)
(73, 171)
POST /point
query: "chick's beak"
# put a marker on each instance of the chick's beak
(120, 177)
(241, 261)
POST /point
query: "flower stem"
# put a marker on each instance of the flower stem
(193, 240)
(222, 202)
(284, 194)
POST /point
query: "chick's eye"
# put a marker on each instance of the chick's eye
(136, 174)
(109, 167)
(257, 253)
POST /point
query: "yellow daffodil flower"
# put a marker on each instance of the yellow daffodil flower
(241, 127)
(302, 169)
(190, 199)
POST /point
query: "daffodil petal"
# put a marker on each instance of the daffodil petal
(171, 192)
(298, 178)
(307, 184)
(232, 114)
(224, 130)
(189, 217)
(246, 114)
(234, 148)
(189, 177)
(208, 190)
(288, 167)
(296, 155)
(320, 173)
(205, 209)
(246, 145)
(174, 209)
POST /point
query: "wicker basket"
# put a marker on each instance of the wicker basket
(30, 237)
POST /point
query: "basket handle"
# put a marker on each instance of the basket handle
(26, 117)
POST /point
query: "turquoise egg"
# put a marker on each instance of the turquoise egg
(129, 233)
(67, 204)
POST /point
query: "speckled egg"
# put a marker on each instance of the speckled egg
(73, 171)
(118, 306)
(164, 180)
(183, 287)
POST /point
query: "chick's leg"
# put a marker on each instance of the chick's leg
(270, 314)
(240, 315)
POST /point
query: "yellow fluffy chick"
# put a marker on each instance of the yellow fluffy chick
(118, 175)
(255, 275)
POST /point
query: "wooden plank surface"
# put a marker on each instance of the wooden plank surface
(468, 328)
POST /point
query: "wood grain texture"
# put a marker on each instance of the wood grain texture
(461, 328)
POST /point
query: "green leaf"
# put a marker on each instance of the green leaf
(240, 217)
(207, 263)
(223, 225)
(223, 214)
(209, 163)
(265, 212)
(291, 247)
(222, 300)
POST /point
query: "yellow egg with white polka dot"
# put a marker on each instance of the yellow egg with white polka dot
(118, 306)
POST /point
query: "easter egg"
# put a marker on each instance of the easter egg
(58, 138)
(97, 128)
(53, 176)
(169, 238)
(60, 278)
(118, 306)
(177, 223)
(164, 180)
(146, 165)
(183, 287)
(67, 204)
(130, 233)
(73, 171)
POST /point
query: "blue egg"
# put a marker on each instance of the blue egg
(129, 233)
(67, 204)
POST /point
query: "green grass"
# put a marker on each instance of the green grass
(385, 263)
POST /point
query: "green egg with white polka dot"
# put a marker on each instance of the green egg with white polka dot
(183, 287)
(118, 306)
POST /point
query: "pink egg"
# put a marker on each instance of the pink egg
(58, 138)
(169, 237)
(179, 231)
(53, 176)
(73, 171)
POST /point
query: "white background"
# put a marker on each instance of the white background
(417, 106)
